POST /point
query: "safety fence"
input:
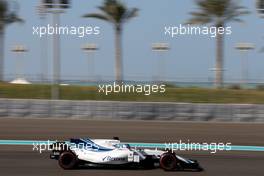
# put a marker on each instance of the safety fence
(114, 110)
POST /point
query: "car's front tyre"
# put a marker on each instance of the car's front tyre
(168, 161)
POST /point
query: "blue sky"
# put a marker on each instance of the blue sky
(190, 57)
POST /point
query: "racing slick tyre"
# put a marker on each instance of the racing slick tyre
(168, 161)
(68, 160)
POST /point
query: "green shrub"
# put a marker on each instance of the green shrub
(235, 87)
(260, 87)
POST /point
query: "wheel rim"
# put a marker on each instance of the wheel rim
(67, 159)
(168, 162)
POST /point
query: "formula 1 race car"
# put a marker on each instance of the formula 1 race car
(112, 153)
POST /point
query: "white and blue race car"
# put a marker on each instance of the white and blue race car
(112, 153)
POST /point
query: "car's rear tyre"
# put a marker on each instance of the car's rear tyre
(168, 161)
(68, 160)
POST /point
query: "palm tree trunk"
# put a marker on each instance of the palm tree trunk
(219, 59)
(118, 57)
(1, 54)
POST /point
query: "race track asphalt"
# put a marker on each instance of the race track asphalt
(22, 161)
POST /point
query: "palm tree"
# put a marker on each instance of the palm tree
(260, 10)
(115, 12)
(6, 17)
(260, 6)
(218, 13)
